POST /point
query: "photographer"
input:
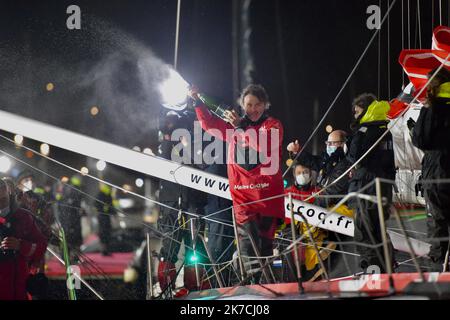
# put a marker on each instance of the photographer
(22, 244)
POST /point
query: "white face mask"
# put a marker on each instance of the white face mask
(303, 179)
(27, 186)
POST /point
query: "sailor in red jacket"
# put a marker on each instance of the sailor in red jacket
(21, 245)
(254, 170)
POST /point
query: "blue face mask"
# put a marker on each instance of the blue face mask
(331, 150)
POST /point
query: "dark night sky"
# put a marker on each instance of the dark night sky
(303, 52)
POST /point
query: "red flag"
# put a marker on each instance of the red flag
(417, 64)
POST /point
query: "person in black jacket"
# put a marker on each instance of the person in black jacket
(330, 165)
(220, 235)
(431, 134)
(175, 196)
(370, 123)
(69, 211)
(177, 227)
(105, 209)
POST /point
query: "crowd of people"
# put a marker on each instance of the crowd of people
(33, 217)
(350, 161)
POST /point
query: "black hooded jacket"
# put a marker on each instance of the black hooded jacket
(329, 169)
(379, 162)
(432, 135)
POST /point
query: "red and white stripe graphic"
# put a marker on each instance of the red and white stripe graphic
(417, 64)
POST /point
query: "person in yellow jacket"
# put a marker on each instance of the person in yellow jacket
(369, 125)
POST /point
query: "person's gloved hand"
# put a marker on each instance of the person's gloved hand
(410, 123)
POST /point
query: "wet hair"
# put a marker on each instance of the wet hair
(364, 100)
(256, 90)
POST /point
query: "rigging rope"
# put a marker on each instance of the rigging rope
(409, 26)
(383, 135)
(177, 35)
(99, 180)
(403, 41)
(342, 88)
(389, 54)
(379, 60)
(419, 24)
(95, 199)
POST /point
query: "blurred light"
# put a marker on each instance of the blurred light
(94, 111)
(101, 165)
(289, 162)
(277, 263)
(45, 149)
(18, 139)
(29, 154)
(5, 164)
(136, 148)
(64, 179)
(49, 86)
(329, 128)
(126, 187)
(139, 182)
(148, 151)
(122, 224)
(126, 203)
(193, 257)
(84, 171)
(174, 91)
(150, 218)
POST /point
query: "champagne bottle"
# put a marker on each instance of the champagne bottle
(215, 108)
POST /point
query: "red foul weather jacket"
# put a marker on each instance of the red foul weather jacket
(251, 180)
(300, 194)
(14, 271)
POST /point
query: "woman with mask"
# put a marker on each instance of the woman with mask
(304, 184)
(330, 165)
(21, 244)
(302, 189)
